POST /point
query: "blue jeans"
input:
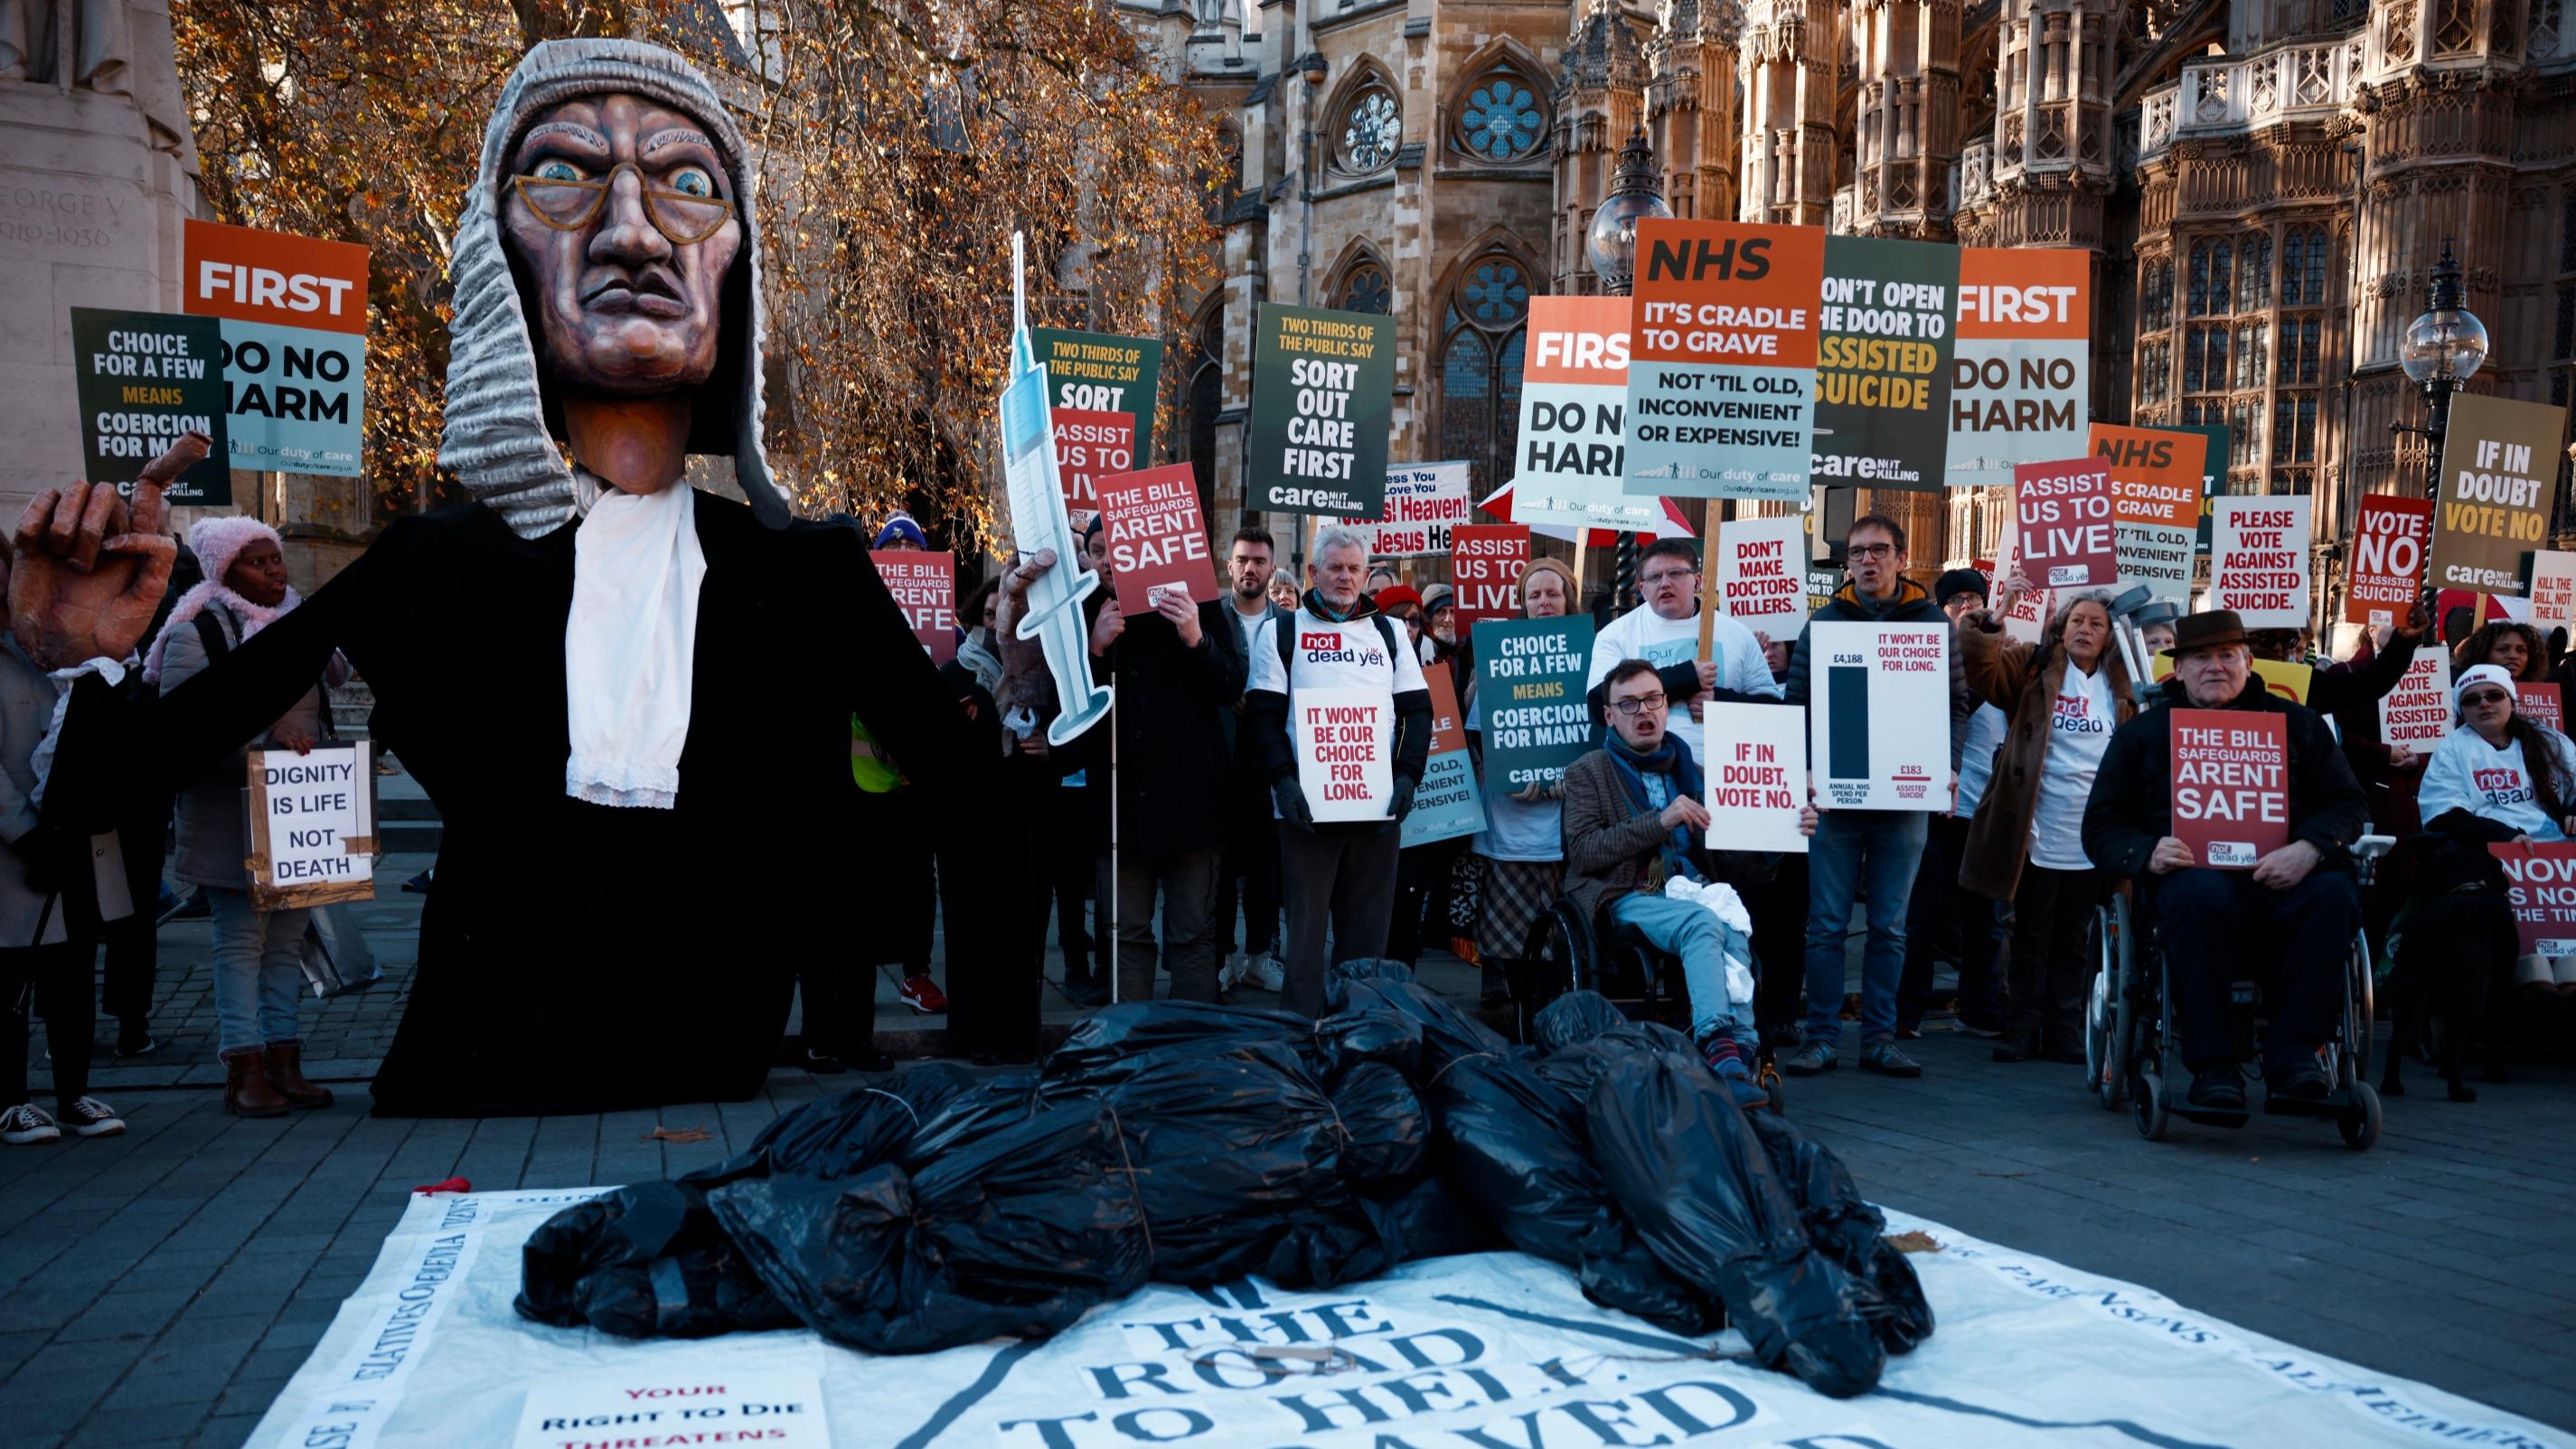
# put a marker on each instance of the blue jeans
(1694, 933)
(259, 980)
(1880, 848)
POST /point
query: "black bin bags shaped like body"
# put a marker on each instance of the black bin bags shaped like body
(1192, 1144)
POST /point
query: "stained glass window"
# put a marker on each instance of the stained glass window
(1502, 119)
(1367, 289)
(1483, 330)
(1372, 129)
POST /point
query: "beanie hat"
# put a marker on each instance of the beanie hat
(2491, 674)
(1545, 565)
(901, 526)
(1438, 597)
(217, 541)
(1956, 582)
(1388, 598)
(496, 440)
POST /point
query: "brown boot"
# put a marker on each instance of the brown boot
(246, 1089)
(284, 1061)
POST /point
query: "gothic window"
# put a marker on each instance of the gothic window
(1370, 129)
(1205, 399)
(2455, 26)
(2155, 371)
(2249, 355)
(2303, 267)
(2294, 429)
(2156, 294)
(2397, 32)
(2244, 431)
(1502, 119)
(1366, 288)
(2254, 274)
(2300, 337)
(2204, 360)
(2563, 337)
(1483, 331)
(2211, 271)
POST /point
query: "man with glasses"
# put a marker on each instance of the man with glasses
(1634, 821)
(2293, 915)
(1664, 632)
(1874, 849)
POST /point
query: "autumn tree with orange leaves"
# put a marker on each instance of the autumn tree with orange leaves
(901, 143)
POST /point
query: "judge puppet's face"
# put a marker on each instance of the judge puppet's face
(621, 215)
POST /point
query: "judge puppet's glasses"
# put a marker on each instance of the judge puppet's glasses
(565, 201)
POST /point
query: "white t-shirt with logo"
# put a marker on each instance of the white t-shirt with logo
(2078, 732)
(1351, 654)
(1641, 633)
(2467, 773)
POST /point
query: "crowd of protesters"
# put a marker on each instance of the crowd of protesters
(1175, 853)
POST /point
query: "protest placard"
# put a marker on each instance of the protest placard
(1485, 563)
(2214, 456)
(2027, 618)
(1323, 391)
(1760, 575)
(2543, 703)
(2553, 591)
(1821, 584)
(2021, 365)
(2231, 785)
(1345, 752)
(142, 379)
(2387, 572)
(1090, 446)
(664, 1404)
(2062, 515)
(1094, 372)
(2258, 561)
(1156, 537)
(293, 317)
(2155, 499)
(1757, 777)
(1722, 359)
(2540, 885)
(1880, 716)
(1883, 363)
(924, 586)
(2289, 681)
(1423, 501)
(1574, 402)
(1446, 805)
(312, 827)
(2417, 713)
(1530, 675)
(2500, 459)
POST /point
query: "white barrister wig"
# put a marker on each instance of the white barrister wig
(497, 440)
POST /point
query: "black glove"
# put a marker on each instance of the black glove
(1403, 806)
(41, 850)
(1292, 803)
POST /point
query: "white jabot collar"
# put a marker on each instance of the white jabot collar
(630, 644)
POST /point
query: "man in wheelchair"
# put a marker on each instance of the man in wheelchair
(2296, 912)
(1635, 821)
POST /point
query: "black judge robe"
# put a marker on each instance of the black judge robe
(575, 957)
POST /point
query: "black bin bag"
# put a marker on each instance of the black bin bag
(1696, 1183)
(647, 1261)
(1846, 1228)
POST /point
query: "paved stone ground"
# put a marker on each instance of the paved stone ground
(159, 1288)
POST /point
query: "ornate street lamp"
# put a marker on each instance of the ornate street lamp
(1612, 241)
(2443, 349)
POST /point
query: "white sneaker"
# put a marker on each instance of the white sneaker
(1271, 973)
(26, 1124)
(1230, 974)
(90, 1117)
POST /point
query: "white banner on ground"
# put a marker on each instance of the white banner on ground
(1450, 1353)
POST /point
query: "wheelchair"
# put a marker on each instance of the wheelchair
(1568, 951)
(2129, 1029)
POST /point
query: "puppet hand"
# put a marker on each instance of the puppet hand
(90, 572)
(1024, 666)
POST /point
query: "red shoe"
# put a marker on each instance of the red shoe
(923, 995)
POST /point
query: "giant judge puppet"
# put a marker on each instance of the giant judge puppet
(630, 700)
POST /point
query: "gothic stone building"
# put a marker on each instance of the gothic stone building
(2263, 186)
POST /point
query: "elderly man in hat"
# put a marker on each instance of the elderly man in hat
(2294, 913)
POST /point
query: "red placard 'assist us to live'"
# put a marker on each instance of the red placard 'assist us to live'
(1486, 561)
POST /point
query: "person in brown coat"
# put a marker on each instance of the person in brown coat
(2061, 698)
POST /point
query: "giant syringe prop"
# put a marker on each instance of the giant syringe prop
(1036, 496)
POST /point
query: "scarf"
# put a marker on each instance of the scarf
(1674, 776)
(976, 652)
(630, 646)
(183, 615)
